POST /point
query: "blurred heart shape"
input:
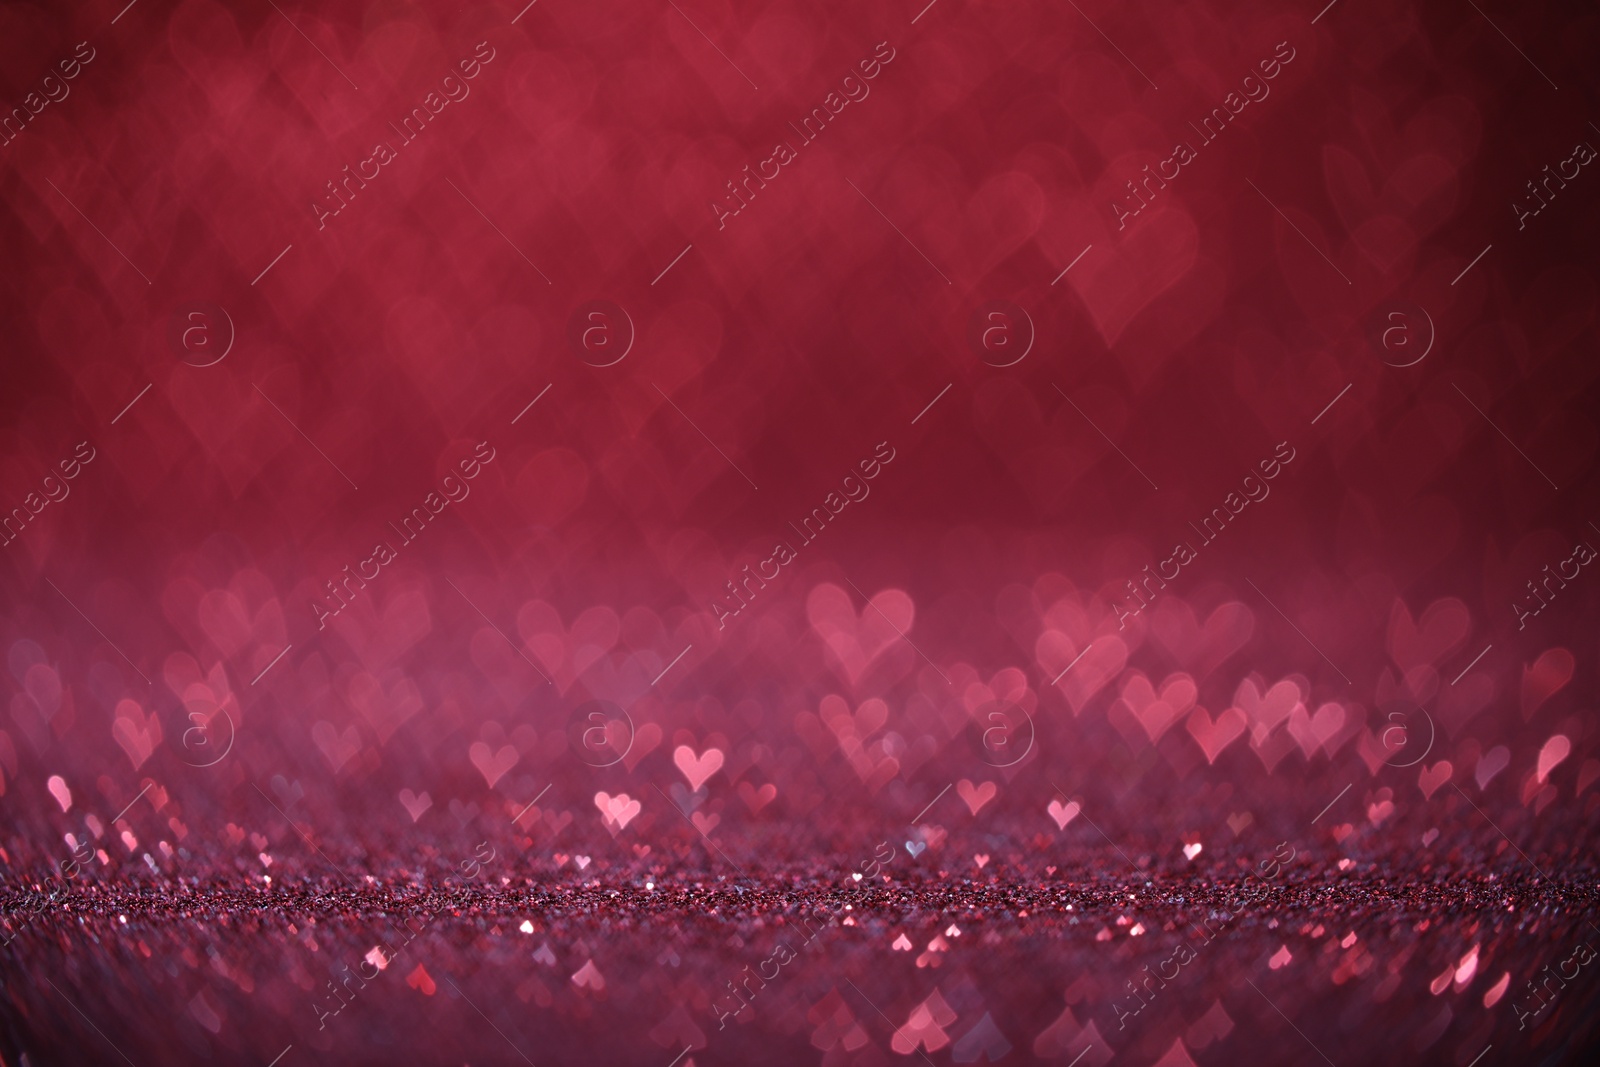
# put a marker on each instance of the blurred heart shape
(1157, 713)
(1443, 626)
(492, 764)
(620, 809)
(1313, 732)
(1265, 711)
(378, 638)
(645, 740)
(230, 624)
(420, 980)
(1009, 685)
(696, 769)
(686, 800)
(1213, 736)
(384, 709)
(1551, 755)
(1272, 747)
(43, 684)
(1061, 814)
(565, 653)
(588, 977)
(289, 793)
(1080, 671)
(1202, 649)
(756, 799)
(337, 748)
(867, 720)
(415, 803)
(136, 732)
(976, 796)
(1493, 762)
(854, 642)
(1548, 675)
(1431, 778)
(1140, 265)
